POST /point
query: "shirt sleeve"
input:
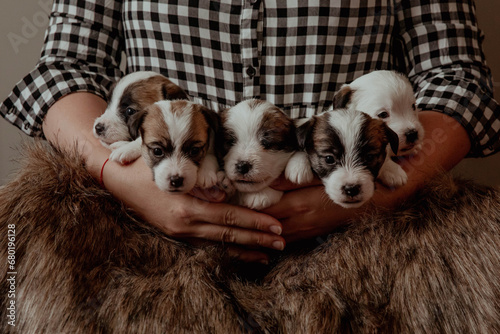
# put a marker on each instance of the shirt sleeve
(81, 52)
(448, 69)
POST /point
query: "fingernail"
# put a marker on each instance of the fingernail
(278, 245)
(217, 194)
(264, 261)
(276, 229)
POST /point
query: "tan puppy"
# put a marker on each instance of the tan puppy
(177, 143)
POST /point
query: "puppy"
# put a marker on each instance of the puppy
(346, 149)
(256, 142)
(389, 96)
(116, 128)
(177, 144)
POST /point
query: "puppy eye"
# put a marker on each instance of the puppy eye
(330, 159)
(195, 151)
(158, 152)
(229, 139)
(265, 143)
(414, 107)
(383, 114)
(130, 111)
(370, 157)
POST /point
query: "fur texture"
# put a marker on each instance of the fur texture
(85, 265)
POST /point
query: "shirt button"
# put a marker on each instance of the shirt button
(251, 71)
(26, 125)
(253, 2)
(10, 111)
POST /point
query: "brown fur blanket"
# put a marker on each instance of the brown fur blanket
(83, 264)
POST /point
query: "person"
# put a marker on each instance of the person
(295, 54)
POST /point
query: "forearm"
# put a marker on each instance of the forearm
(69, 122)
(445, 144)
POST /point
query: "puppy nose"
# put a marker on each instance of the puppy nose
(100, 129)
(411, 136)
(243, 167)
(176, 181)
(351, 190)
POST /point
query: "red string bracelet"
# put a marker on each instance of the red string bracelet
(101, 181)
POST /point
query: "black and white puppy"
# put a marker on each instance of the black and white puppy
(177, 144)
(389, 96)
(116, 128)
(256, 142)
(346, 149)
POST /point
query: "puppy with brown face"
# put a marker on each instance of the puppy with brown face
(389, 96)
(177, 144)
(256, 142)
(117, 127)
(347, 149)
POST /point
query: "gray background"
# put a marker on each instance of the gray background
(27, 19)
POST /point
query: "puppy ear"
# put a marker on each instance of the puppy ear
(393, 138)
(212, 118)
(343, 97)
(135, 123)
(171, 91)
(304, 132)
(220, 142)
(111, 90)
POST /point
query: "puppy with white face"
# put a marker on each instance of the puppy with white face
(389, 96)
(177, 144)
(256, 142)
(116, 128)
(346, 149)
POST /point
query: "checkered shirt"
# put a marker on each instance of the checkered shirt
(295, 54)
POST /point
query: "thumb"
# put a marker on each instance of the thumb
(213, 194)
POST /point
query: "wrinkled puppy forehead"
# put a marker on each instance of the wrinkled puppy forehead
(374, 132)
(117, 90)
(254, 117)
(143, 93)
(143, 88)
(325, 133)
(349, 130)
(252, 111)
(178, 120)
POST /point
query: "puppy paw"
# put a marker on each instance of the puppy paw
(225, 184)
(207, 174)
(125, 151)
(392, 175)
(206, 178)
(118, 144)
(260, 200)
(298, 170)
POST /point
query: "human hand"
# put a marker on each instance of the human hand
(306, 211)
(194, 217)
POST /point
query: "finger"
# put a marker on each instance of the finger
(283, 184)
(213, 194)
(239, 236)
(235, 216)
(294, 203)
(247, 255)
